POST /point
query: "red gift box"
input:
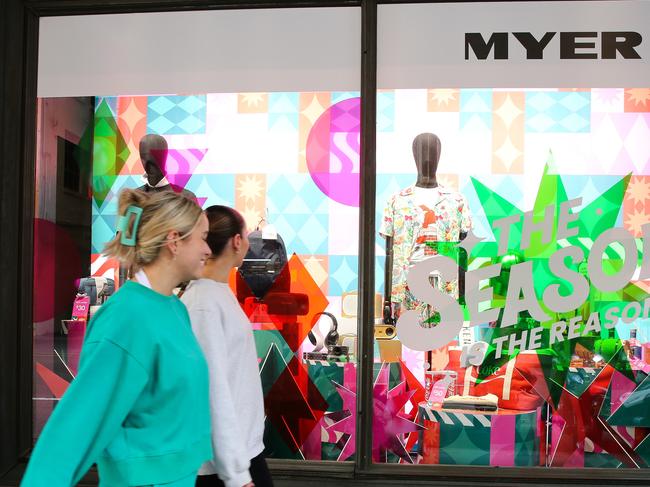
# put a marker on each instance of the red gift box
(510, 386)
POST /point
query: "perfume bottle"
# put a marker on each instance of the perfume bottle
(635, 347)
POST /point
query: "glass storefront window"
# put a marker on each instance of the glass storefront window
(511, 219)
(553, 372)
(288, 161)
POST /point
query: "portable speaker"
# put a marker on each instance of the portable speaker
(384, 332)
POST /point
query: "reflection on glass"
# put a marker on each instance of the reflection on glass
(289, 163)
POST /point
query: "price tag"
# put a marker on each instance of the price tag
(439, 391)
(81, 307)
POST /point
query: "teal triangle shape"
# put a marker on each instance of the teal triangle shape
(275, 446)
(634, 411)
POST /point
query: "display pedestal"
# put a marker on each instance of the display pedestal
(504, 438)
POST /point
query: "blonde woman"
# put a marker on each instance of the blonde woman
(226, 337)
(139, 405)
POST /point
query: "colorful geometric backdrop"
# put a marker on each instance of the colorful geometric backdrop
(293, 160)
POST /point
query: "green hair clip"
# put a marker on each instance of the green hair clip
(123, 225)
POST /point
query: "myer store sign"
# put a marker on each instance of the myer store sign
(568, 45)
(560, 44)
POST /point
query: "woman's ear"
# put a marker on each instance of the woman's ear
(171, 242)
(236, 243)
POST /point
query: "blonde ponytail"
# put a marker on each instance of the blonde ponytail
(145, 220)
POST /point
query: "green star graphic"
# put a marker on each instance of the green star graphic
(593, 219)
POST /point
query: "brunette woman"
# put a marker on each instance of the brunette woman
(226, 337)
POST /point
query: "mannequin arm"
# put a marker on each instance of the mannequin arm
(389, 319)
(462, 268)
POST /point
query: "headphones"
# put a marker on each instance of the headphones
(316, 337)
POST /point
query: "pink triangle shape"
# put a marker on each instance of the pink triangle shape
(181, 164)
(621, 387)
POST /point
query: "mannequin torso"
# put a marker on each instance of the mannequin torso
(153, 154)
(417, 223)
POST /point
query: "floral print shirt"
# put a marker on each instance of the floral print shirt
(410, 223)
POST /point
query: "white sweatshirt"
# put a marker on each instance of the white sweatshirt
(236, 402)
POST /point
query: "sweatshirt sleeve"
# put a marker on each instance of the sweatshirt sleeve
(88, 416)
(230, 459)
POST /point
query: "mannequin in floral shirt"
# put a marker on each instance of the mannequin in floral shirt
(418, 221)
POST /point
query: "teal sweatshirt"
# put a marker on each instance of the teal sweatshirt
(139, 405)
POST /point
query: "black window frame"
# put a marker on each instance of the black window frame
(19, 30)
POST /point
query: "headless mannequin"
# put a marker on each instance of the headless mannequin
(426, 153)
(153, 154)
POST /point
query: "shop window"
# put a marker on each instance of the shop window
(289, 163)
(535, 382)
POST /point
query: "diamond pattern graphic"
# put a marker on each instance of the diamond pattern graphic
(105, 215)
(103, 232)
(294, 202)
(110, 152)
(343, 274)
(587, 187)
(176, 115)
(312, 239)
(132, 122)
(385, 111)
(559, 112)
(312, 106)
(284, 109)
(294, 404)
(508, 132)
(219, 190)
(476, 109)
(620, 142)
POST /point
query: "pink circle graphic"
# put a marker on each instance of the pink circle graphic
(333, 151)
